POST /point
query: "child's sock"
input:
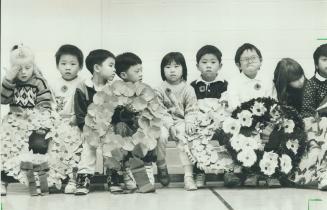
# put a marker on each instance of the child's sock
(141, 176)
(28, 168)
(43, 177)
(149, 171)
(188, 170)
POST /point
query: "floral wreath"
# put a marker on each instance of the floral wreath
(114, 103)
(265, 138)
(207, 155)
(17, 128)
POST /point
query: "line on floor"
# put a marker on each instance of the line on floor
(229, 207)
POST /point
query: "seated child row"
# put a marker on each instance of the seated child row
(25, 88)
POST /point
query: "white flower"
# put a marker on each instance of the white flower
(247, 157)
(271, 157)
(232, 126)
(285, 163)
(245, 118)
(274, 112)
(267, 167)
(293, 145)
(249, 143)
(289, 126)
(258, 109)
(236, 142)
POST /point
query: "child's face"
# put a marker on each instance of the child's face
(26, 70)
(68, 66)
(297, 83)
(250, 63)
(133, 74)
(107, 69)
(173, 72)
(322, 66)
(209, 66)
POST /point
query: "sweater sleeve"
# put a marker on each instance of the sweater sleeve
(191, 105)
(167, 118)
(44, 95)
(7, 92)
(309, 100)
(80, 108)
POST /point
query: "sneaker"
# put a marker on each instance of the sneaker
(83, 184)
(149, 172)
(129, 181)
(189, 183)
(200, 180)
(70, 187)
(231, 180)
(163, 176)
(4, 188)
(251, 181)
(114, 183)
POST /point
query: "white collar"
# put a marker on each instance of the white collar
(320, 78)
(89, 83)
(247, 79)
(217, 79)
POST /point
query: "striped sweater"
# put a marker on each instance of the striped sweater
(33, 93)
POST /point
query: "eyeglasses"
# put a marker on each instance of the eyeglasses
(252, 59)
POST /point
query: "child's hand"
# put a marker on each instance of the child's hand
(12, 72)
(189, 128)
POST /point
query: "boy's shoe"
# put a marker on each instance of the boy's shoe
(70, 187)
(4, 188)
(163, 176)
(189, 183)
(251, 181)
(231, 180)
(200, 180)
(129, 181)
(149, 172)
(83, 184)
(114, 183)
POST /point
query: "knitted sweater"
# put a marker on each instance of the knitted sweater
(214, 89)
(315, 90)
(26, 95)
(179, 100)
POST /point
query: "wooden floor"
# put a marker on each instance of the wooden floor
(175, 197)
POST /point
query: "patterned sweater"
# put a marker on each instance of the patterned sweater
(214, 89)
(315, 90)
(26, 95)
(179, 100)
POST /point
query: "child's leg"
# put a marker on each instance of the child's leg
(140, 175)
(163, 175)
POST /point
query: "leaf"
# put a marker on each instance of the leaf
(99, 98)
(140, 150)
(112, 163)
(117, 154)
(128, 144)
(139, 104)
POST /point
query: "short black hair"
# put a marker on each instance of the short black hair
(69, 49)
(208, 49)
(320, 51)
(125, 60)
(97, 57)
(244, 47)
(178, 58)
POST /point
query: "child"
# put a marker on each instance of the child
(180, 100)
(315, 91)
(289, 80)
(24, 88)
(101, 64)
(69, 61)
(129, 69)
(210, 85)
(248, 84)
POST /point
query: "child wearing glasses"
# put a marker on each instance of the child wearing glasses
(249, 83)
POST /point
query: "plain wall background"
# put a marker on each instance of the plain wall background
(152, 28)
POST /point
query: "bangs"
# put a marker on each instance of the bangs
(294, 72)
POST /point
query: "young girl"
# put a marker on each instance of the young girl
(180, 101)
(289, 80)
(29, 97)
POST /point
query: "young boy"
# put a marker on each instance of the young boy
(129, 69)
(101, 64)
(248, 84)
(315, 90)
(69, 61)
(210, 85)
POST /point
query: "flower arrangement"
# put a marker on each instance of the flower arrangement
(201, 150)
(132, 103)
(264, 137)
